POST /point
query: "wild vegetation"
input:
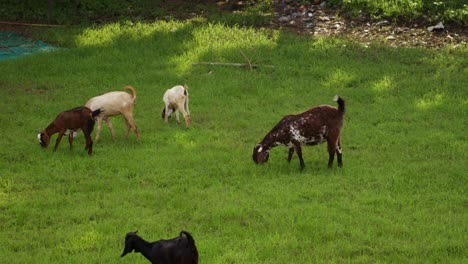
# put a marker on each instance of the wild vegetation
(251, 12)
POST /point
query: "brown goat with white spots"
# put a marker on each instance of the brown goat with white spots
(312, 127)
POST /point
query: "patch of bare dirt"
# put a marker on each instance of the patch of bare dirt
(318, 20)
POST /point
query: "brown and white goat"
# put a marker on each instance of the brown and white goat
(312, 127)
(179, 250)
(176, 99)
(112, 104)
(70, 121)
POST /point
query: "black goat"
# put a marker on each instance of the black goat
(179, 250)
(312, 127)
(70, 121)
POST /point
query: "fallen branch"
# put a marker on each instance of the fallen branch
(29, 24)
(231, 64)
(249, 61)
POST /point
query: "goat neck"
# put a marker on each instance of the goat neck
(143, 246)
(51, 129)
(277, 136)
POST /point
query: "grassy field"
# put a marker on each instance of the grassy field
(401, 196)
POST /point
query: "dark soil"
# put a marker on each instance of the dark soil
(318, 20)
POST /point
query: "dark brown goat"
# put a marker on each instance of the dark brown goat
(312, 127)
(70, 121)
(179, 250)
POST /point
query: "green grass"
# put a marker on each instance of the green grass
(401, 196)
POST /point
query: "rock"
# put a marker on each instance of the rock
(382, 23)
(437, 28)
(390, 38)
(284, 19)
(324, 18)
(295, 14)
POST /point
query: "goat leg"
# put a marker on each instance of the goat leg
(177, 116)
(331, 153)
(131, 124)
(339, 154)
(98, 129)
(58, 140)
(70, 139)
(297, 147)
(290, 154)
(89, 144)
(109, 124)
(167, 114)
(127, 131)
(185, 113)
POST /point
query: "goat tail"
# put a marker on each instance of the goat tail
(185, 89)
(132, 90)
(341, 103)
(191, 244)
(90, 126)
(96, 112)
(191, 241)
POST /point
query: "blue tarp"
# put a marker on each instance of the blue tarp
(13, 45)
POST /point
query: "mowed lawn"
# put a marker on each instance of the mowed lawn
(401, 196)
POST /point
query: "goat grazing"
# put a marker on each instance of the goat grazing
(312, 127)
(176, 99)
(112, 104)
(71, 121)
(179, 250)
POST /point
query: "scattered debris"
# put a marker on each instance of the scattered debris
(382, 23)
(316, 18)
(437, 28)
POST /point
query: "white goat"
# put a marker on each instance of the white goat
(112, 104)
(176, 99)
